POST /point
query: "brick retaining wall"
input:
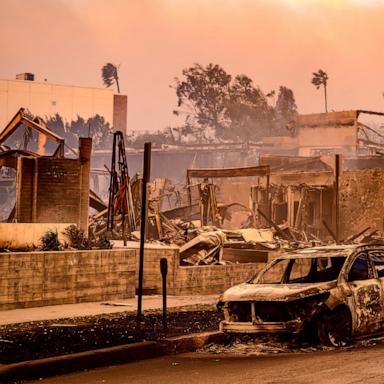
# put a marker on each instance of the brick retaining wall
(47, 278)
(32, 279)
(211, 279)
(152, 276)
(200, 280)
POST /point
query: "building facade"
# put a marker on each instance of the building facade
(69, 101)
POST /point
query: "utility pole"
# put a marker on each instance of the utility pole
(337, 200)
(146, 178)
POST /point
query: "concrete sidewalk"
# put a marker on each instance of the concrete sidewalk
(54, 312)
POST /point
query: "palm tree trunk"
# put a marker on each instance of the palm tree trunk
(117, 84)
(325, 98)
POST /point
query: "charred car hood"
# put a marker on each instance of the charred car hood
(275, 292)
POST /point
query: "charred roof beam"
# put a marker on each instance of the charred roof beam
(19, 119)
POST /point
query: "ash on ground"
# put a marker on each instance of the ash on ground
(263, 345)
(36, 340)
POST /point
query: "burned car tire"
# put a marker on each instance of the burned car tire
(334, 328)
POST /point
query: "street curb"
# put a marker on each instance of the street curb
(190, 343)
(51, 366)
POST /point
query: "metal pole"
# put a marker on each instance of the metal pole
(164, 271)
(337, 205)
(112, 185)
(269, 213)
(189, 196)
(146, 177)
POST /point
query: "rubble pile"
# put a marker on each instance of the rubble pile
(206, 231)
(206, 248)
(219, 215)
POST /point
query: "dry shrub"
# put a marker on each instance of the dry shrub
(50, 241)
(76, 237)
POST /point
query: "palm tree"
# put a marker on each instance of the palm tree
(320, 78)
(110, 75)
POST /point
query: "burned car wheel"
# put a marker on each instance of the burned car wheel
(334, 328)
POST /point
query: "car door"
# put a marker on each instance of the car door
(367, 294)
(377, 259)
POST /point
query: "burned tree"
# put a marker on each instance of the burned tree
(203, 98)
(248, 110)
(285, 109)
(231, 108)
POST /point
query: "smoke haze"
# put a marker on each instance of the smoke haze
(275, 42)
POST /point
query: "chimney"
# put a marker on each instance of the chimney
(85, 151)
(25, 76)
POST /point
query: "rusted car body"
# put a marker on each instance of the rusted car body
(338, 291)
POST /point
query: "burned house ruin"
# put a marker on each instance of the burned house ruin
(49, 189)
(216, 223)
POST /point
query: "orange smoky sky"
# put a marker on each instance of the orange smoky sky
(275, 42)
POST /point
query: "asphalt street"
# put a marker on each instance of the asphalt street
(363, 364)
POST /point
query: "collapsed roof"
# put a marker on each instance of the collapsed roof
(37, 125)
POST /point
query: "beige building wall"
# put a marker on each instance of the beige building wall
(335, 139)
(32, 233)
(45, 100)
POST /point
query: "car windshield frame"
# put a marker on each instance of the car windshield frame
(291, 259)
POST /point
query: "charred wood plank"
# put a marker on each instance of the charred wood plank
(274, 225)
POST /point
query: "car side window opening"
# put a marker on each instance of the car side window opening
(275, 273)
(302, 270)
(328, 268)
(377, 258)
(315, 270)
(359, 269)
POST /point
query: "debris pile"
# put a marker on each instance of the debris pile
(216, 221)
(206, 231)
(206, 248)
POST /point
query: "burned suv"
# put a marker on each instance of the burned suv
(337, 291)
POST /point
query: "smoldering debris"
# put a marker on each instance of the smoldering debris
(194, 218)
(293, 198)
(206, 248)
(263, 345)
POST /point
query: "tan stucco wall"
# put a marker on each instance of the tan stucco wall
(327, 136)
(45, 100)
(23, 235)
